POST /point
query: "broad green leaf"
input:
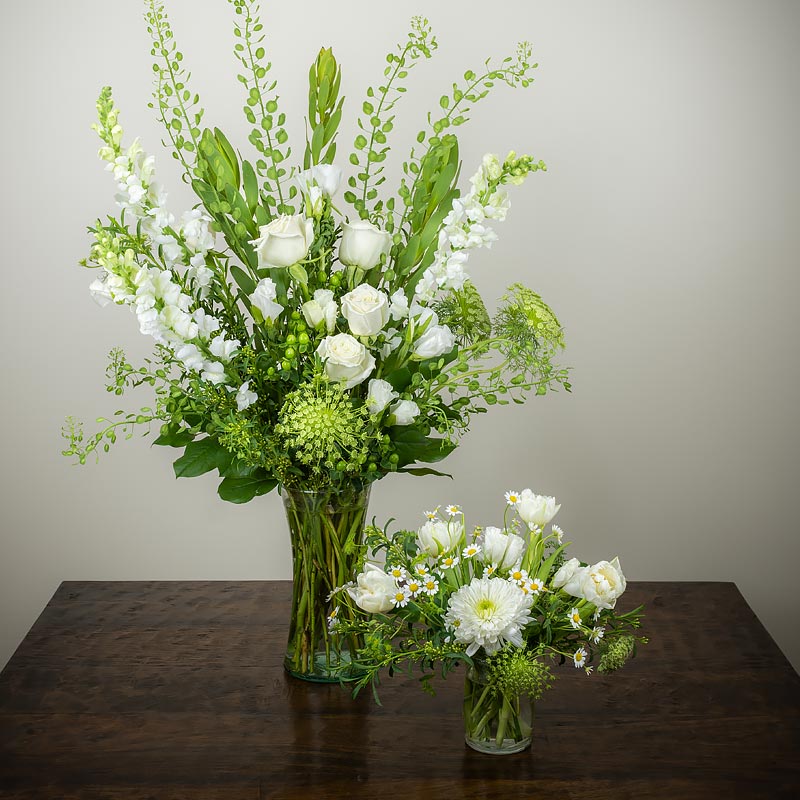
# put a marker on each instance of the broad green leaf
(201, 456)
(243, 490)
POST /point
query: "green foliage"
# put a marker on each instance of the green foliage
(176, 106)
(615, 652)
(324, 109)
(370, 148)
(268, 134)
(513, 672)
(464, 311)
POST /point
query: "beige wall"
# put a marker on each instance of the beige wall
(664, 234)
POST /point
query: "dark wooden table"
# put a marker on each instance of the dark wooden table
(175, 690)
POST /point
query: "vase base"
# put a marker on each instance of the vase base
(490, 746)
(325, 668)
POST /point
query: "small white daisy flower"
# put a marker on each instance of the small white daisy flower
(471, 550)
(431, 515)
(489, 570)
(535, 586)
(559, 534)
(597, 634)
(448, 562)
(575, 618)
(579, 658)
(398, 573)
(512, 497)
(518, 575)
(596, 615)
(422, 570)
(453, 510)
(332, 618)
(401, 596)
(430, 585)
(414, 586)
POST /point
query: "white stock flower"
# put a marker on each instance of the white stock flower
(488, 612)
(536, 509)
(346, 359)
(180, 322)
(436, 536)
(603, 583)
(263, 298)
(404, 412)
(326, 176)
(285, 241)
(374, 590)
(214, 372)
(223, 348)
(379, 394)
(492, 166)
(501, 548)
(196, 233)
(100, 292)
(206, 324)
(363, 244)
(244, 397)
(191, 357)
(366, 310)
(321, 309)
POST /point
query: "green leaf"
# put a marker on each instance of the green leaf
(412, 445)
(243, 490)
(421, 471)
(201, 456)
(174, 439)
(245, 282)
(250, 182)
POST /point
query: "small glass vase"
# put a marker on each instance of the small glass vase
(493, 722)
(327, 531)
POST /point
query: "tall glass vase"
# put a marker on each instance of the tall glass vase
(494, 722)
(327, 530)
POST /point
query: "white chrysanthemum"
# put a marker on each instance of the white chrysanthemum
(488, 612)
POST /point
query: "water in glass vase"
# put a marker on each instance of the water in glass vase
(326, 529)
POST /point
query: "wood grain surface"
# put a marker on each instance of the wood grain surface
(176, 691)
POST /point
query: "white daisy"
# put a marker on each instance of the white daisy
(489, 570)
(414, 586)
(431, 515)
(471, 550)
(596, 615)
(512, 497)
(430, 585)
(453, 510)
(575, 618)
(597, 634)
(422, 570)
(488, 612)
(398, 573)
(518, 576)
(535, 586)
(559, 534)
(401, 596)
(448, 562)
(579, 658)
(332, 618)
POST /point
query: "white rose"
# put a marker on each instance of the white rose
(323, 308)
(436, 537)
(435, 341)
(263, 298)
(374, 590)
(536, 509)
(603, 583)
(363, 244)
(285, 241)
(366, 310)
(569, 577)
(326, 176)
(404, 412)
(379, 394)
(501, 548)
(244, 397)
(346, 359)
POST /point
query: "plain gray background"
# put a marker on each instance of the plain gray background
(664, 235)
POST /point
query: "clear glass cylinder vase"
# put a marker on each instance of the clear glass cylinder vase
(494, 722)
(326, 530)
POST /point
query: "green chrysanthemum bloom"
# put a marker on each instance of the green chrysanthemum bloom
(616, 654)
(463, 310)
(323, 428)
(514, 672)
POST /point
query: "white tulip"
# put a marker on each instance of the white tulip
(374, 590)
(603, 583)
(379, 394)
(363, 244)
(346, 359)
(536, 509)
(436, 537)
(501, 548)
(569, 577)
(322, 309)
(263, 298)
(366, 310)
(285, 241)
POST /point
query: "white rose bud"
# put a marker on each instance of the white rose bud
(346, 359)
(366, 310)
(379, 394)
(263, 298)
(323, 308)
(285, 241)
(326, 176)
(404, 412)
(434, 342)
(374, 590)
(436, 537)
(501, 548)
(536, 509)
(603, 583)
(363, 244)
